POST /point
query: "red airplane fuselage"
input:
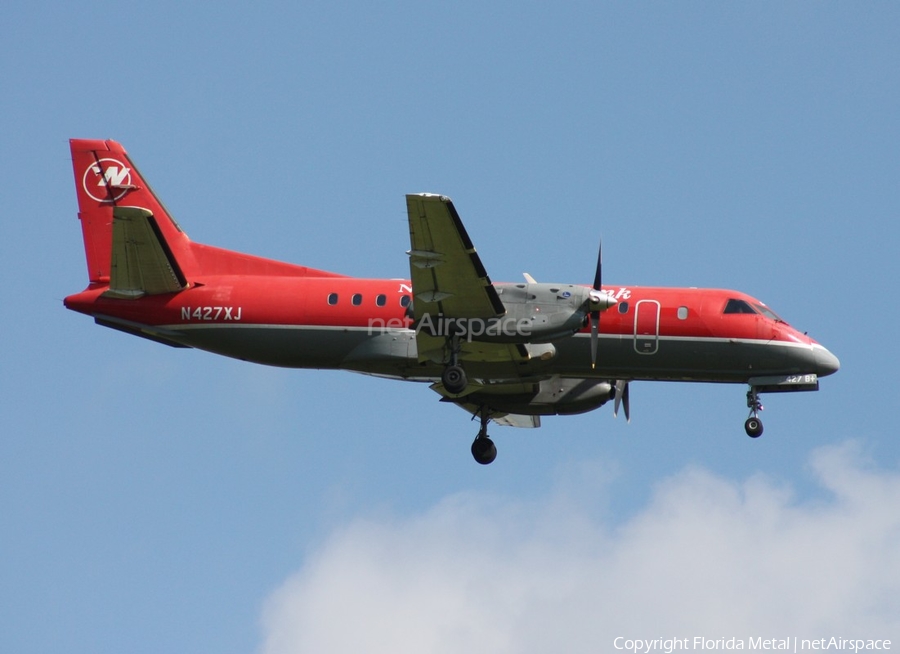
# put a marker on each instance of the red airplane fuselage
(651, 334)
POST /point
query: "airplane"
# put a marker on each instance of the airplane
(507, 353)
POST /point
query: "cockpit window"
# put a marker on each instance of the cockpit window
(768, 313)
(738, 306)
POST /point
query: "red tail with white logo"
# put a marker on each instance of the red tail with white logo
(112, 191)
(105, 178)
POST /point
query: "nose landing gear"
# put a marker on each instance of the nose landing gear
(753, 424)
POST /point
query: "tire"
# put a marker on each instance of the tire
(454, 379)
(754, 427)
(483, 450)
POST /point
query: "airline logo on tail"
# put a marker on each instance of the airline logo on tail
(107, 180)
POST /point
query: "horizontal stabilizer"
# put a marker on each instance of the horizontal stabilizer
(142, 263)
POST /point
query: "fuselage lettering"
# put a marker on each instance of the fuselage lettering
(211, 314)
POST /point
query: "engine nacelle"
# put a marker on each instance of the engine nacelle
(535, 313)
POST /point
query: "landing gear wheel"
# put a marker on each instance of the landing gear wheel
(754, 427)
(484, 450)
(454, 379)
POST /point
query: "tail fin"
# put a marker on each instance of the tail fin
(131, 242)
(128, 234)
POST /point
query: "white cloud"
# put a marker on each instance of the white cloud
(706, 557)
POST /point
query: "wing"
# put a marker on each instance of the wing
(447, 275)
(518, 420)
(500, 418)
(496, 396)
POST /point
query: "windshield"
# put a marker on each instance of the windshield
(768, 313)
(738, 306)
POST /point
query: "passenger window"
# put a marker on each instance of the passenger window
(738, 306)
(682, 313)
(356, 299)
(404, 300)
(623, 307)
(381, 300)
(333, 299)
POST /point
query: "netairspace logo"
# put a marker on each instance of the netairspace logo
(466, 329)
(789, 644)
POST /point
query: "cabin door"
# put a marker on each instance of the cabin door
(646, 327)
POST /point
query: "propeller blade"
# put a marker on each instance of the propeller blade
(595, 315)
(622, 398)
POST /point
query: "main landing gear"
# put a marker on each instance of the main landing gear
(753, 425)
(483, 449)
(455, 381)
(454, 377)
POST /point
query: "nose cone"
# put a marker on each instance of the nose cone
(826, 362)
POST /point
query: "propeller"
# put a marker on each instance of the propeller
(599, 300)
(595, 315)
(622, 398)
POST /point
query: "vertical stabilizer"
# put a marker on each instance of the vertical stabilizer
(105, 180)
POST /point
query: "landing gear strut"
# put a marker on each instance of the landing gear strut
(454, 377)
(753, 425)
(483, 449)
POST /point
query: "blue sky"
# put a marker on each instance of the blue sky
(154, 499)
